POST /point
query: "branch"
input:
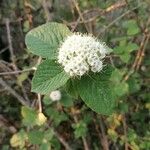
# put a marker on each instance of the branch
(104, 137)
(92, 14)
(9, 38)
(85, 143)
(140, 53)
(125, 132)
(79, 12)
(61, 139)
(39, 102)
(116, 20)
(14, 93)
(18, 71)
(3, 50)
(46, 5)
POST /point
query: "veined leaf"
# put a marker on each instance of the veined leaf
(48, 77)
(97, 93)
(45, 39)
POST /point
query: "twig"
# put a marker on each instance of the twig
(140, 54)
(97, 129)
(125, 132)
(76, 24)
(86, 147)
(6, 124)
(112, 62)
(85, 143)
(116, 20)
(25, 94)
(39, 102)
(104, 137)
(14, 93)
(115, 6)
(92, 14)
(10, 41)
(45, 5)
(61, 139)
(3, 50)
(18, 71)
(79, 12)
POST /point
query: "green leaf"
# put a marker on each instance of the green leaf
(71, 88)
(80, 129)
(56, 116)
(116, 76)
(134, 84)
(45, 39)
(119, 50)
(49, 134)
(125, 57)
(46, 100)
(36, 137)
(132, 27)
(45, 146)
(131, 47)
(56, 143)
(29, 116)
(123, 107)
(66, 100)
(119, 88)
(48, 77)
(97, 93)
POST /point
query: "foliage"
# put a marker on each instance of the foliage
(49, 76)
(120, 93)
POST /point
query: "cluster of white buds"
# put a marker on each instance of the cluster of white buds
(80, 53)
(55, 95)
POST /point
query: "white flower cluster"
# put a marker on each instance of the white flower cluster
(55, 95)
(81, 53)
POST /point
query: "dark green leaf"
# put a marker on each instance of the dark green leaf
(97, 93)
(66, 100)
(48, 77)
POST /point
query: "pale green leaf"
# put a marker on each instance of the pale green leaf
(131, 47)
(45, 39)
(132, 27)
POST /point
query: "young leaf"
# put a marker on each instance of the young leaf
(97, 93)
(36, 137)
(45, 39)
(132, 27)
(80, 129)
(29, 116)
(48, 77)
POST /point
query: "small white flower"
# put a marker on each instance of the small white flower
(55, 95)
(81, 53)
